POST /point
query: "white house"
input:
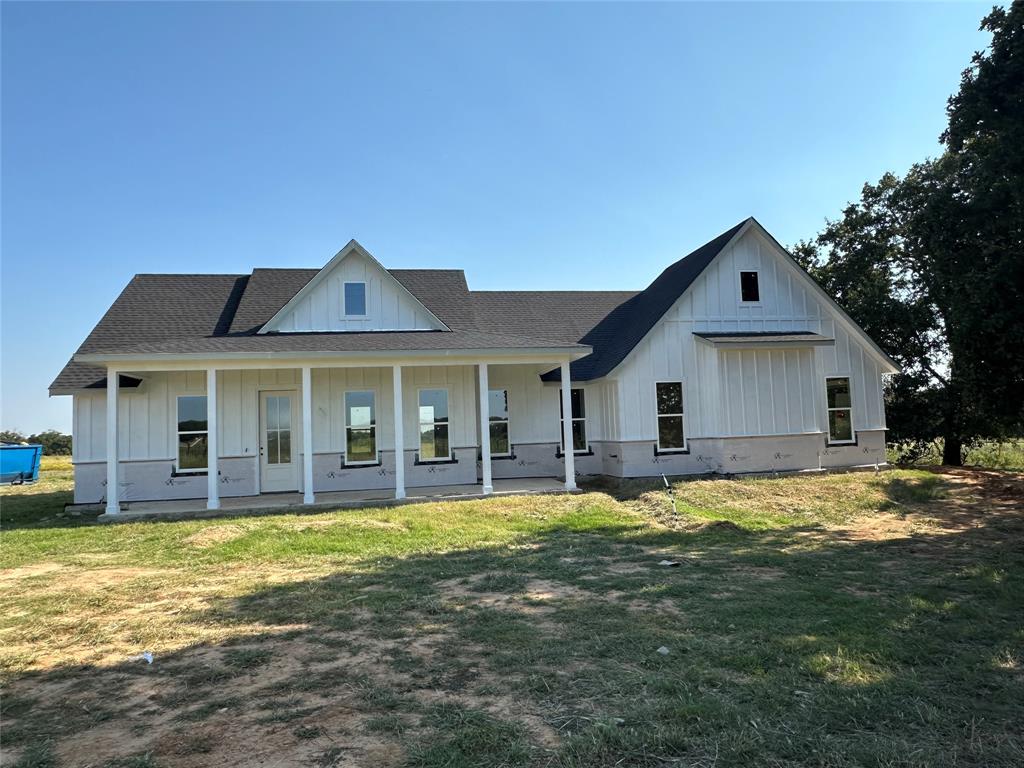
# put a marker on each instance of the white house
(733, 360)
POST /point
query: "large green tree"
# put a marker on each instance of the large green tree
(932, 264)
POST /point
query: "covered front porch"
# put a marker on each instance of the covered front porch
(270, 503)
(323, 433)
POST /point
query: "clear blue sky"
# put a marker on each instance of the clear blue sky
(535, 146)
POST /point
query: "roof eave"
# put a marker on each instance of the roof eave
(765, 343)
(744, 226)
(573, 352)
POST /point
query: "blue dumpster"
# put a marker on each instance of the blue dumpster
(19, 463)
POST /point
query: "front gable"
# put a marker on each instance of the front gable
(320, 306)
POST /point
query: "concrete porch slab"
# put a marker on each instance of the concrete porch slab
(275, 503)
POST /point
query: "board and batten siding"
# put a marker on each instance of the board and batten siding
(460, 381)
(534, 408)
(746, 392)
(147, 428)
(146, 416)
(389, 306)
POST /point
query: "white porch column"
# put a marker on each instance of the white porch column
(485, 429)
(113, 488)
(212, 444)
(567, 443)
(307, 435)
(399, 445)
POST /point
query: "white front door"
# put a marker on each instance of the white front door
(279, 444)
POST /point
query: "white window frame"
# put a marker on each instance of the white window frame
(366, 300)
(682, 414)
(739, 285)
(346, 426)
(505, 421)
(561, 419)
(828, 427)
(420, 424)
(178, 433)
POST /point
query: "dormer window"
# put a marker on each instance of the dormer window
(749, 291)
(354, 300)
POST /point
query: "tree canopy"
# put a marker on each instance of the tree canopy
(931, 264)
(54, 443)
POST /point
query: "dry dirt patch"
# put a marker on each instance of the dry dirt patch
(28, 571)
(214, 534)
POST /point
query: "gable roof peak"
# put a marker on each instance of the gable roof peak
(353, 246)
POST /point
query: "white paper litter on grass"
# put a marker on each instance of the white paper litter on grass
(670, 563)
(663, 651)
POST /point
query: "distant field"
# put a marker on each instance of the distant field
(837, 620)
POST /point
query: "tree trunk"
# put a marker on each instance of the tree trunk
(953, 452)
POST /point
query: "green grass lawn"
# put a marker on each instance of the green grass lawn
(839, 620)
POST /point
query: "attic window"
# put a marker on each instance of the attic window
(748, 287)
(355, 300)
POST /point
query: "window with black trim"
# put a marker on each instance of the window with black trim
(434, 444)
(579, 421)
(749, 289)
(670, 416)
(360, 427)
(355, 300)
(193, 434)
(497, 406)
(840, 409)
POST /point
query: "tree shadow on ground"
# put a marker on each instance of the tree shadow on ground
(797, 646)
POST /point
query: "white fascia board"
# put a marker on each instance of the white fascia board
(352, 247)
(379, 358)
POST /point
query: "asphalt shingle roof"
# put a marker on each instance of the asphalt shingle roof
(561, 315)
(153, 309)
(621, 330)
(181, 314)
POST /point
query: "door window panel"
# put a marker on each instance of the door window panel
(279, 433)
